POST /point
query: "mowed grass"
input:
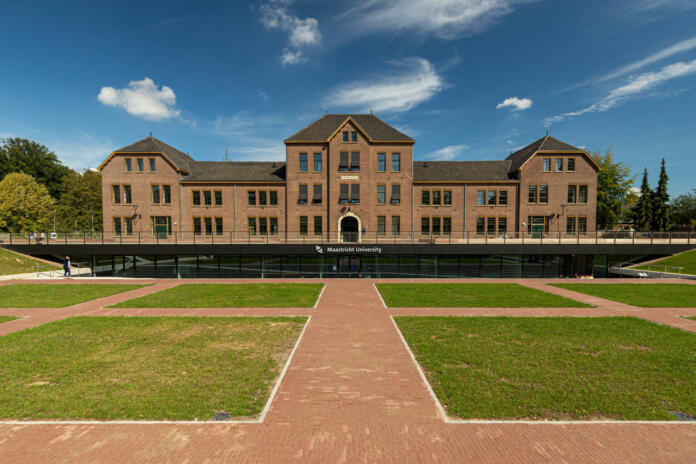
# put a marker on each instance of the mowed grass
(56, 295)
(643, 295)
(158, 368)
(555, 367)
(686, 260)
(7, 319)
(229, 296)
(471, 295)
(15, 263)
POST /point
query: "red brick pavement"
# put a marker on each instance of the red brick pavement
(352, 394)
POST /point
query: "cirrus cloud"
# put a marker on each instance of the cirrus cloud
(517, 104)
(142, 99)
(447, 153)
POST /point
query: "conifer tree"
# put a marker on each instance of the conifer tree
(642, 210)
(661, 220)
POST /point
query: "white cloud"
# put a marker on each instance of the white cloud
(647, 6)
(301, 32)
(447, 153)
(634, 87)
(447, 19)
(417, 82)
(290, 57)
(517, 104)
(142, 99)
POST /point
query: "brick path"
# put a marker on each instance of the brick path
(353, 394)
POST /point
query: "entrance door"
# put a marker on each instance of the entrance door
(349, 229)
(349, 266)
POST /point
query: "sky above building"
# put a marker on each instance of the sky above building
(468, 79)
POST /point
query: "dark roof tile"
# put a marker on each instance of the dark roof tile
(545, 143)
(467, 171)
(245, 171)
(376, 129)
(150, 144)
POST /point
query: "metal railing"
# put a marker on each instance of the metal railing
(363, 237)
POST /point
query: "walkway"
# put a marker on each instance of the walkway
(353, 394)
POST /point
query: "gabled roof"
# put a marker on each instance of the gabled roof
(374, 128)
(461, 171)
(237, 171)
(178, 159)
(546, 144)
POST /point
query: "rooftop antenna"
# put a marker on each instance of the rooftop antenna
(150, 133)
(371, 112)
(547, 132)
(226, 158)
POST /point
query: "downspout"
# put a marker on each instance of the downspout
(181, 207)
(234, 212)
(328, 195)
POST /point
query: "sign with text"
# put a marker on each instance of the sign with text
(344, 250)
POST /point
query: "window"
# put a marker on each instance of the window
(559, 164)
(128, 165)
(570, 225)
(343, 193)
(196, 198)
(396, 225)
(381, 162)
(481, 197)
(128, 223)
(345, 136)
(208, 226)
(218, 198)
(425, 197)
(480, 225)
(317, 162)
(117, 226)
(218, 226)
(355, 193)
(543, 194)
(316, 197)
(582, 194)
(502, 197)
(167, 194)
(156, 194)
(116, 194)
(381, 194)
(317, 225)
(355, 161)
(571, 164)
(161, 225)
(207, 198)
(303, 162)
(492, 197)
(446, 226)
(447, 198)
(302, 198)
(396, 194)
(502, 225)
(274, 226)
(303, 225)
(343, 161)
(547, 164)
(273, 198)
(436, 198)
(436, 225)
(572, 191)
(141, 165)
(127, 196)
(252, 226)
(251, 198)
(196, 226)
(354, 137)
(490, 225)
(582, 225)
(396, 162)
(263, 226)
(153, 165)
(532, 194)
(381, 225)
(425, 225)
(262, 198)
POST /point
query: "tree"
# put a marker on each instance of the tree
(683, 210)
(661, 220)
(80, 205)
(613, 183)
(22, 155)
(25, 205)
(642, 210)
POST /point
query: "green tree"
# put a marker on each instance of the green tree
(80, 205)
(642, 210)
(683, 210)
(25, 205)
(661, 220)
(613, 183)
(22, 155)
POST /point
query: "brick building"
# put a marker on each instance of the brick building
(348, 178)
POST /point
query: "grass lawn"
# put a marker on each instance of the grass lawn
(56, 295)
(471, 295)
(7, 319)
(179, 368)
(643, 295)
(687, 260)
(15, 263)
(229, 296)
(555, 367)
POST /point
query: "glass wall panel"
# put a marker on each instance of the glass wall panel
(292, 266)
(166, 266)
(250, 266)
(389, 266)
(230, 266)
(330, 266)
(408, 266)
(532, 266)
(207, 266)
(511, 266)
(188, 266)
(469, 266)
(448, 266)
(552, 266)
(427, 266)
(490, 266)
(370, 266)
(311, 266)
(104, 266)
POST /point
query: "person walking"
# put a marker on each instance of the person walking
(66, 267)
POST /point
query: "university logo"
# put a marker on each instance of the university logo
(319, 249)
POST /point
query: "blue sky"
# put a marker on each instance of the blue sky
(468, 79)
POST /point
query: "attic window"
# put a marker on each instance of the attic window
(354, 137)
(153, 165)
(345, 136)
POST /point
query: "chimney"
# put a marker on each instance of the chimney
(425, 164)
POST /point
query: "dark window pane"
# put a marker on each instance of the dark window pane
(196, 197)
(425, 197)
(355, 161)
(355, 193)
(302, 198)
(436, 197)
(343, 195)
(502, 197)
(316, 197)
(481, 197)
(207, 198)
(273, 197)
(447, 198)
(396, 194)
(343, 161)
(303, 161)
(218, 198)
(425, 225)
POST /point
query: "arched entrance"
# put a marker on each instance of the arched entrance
(349, 228)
